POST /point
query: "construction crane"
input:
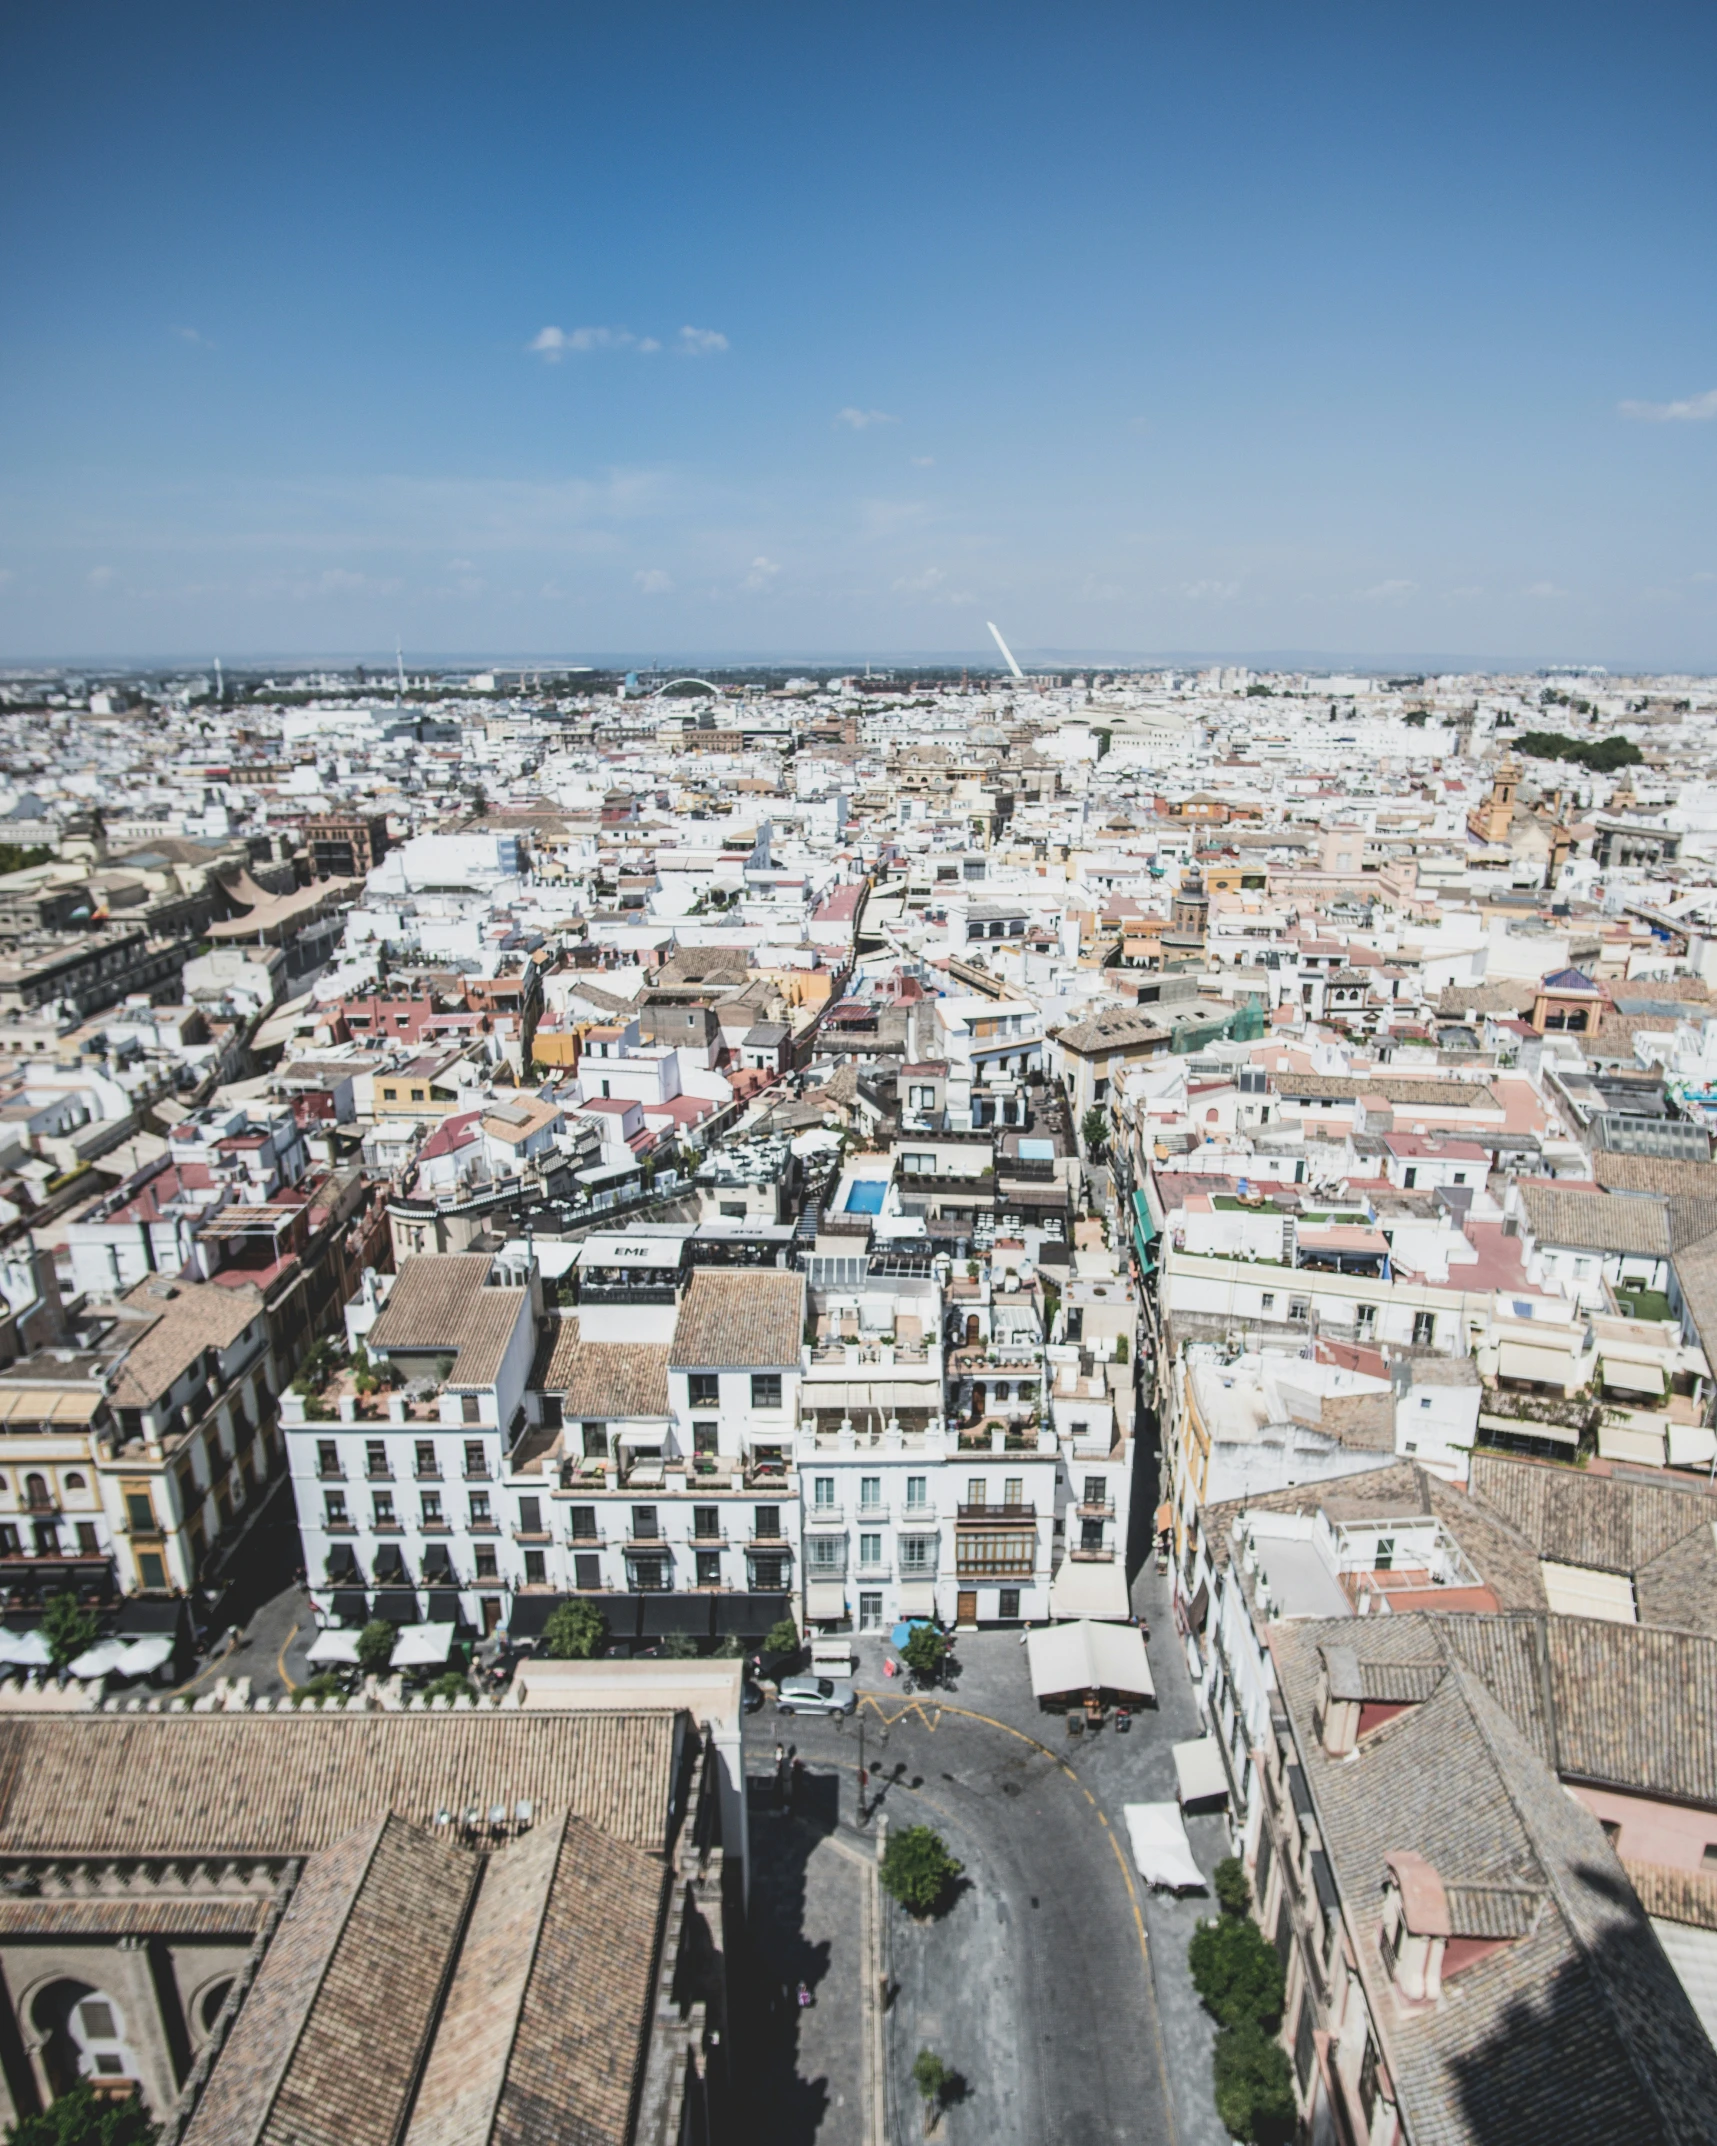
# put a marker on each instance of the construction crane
(1007, 652)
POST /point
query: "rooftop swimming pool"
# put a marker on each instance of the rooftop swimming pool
(865, 1195)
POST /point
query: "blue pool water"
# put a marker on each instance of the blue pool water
(865, 1196)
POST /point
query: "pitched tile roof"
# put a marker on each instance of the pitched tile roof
(194, 1316)
(617, 1378)
(325, 2049)
(1607, 1522)
(442, 1301)
(289, 1784)
(740, 1321)
(1574, 2031)
(542, 2036)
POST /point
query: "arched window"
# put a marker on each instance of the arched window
(74, 1481)
(36, 1490)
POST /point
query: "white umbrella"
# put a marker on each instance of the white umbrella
(333, 1645)
(97, 1661)
(144, 1656)
(25, 1650)
(420, 1645)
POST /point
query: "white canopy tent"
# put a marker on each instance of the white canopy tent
(1199, 1770)
(25, 1650)
(1072, 1658)
(1160, 1846)
(334, 1645)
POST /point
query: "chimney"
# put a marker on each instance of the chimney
(1340, 1691)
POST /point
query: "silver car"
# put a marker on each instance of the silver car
(816, 1695)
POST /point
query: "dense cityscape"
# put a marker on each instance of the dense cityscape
(802, 1404)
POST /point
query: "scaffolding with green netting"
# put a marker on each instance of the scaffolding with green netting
(1244, 1025)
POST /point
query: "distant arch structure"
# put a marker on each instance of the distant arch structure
(673, 684)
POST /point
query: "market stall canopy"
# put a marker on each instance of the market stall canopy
(1068, 1658)
(333, 1645)
(1199, 1769)
(1160, 1846)
(1081, 1590)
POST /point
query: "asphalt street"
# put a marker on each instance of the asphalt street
(1056, 1984)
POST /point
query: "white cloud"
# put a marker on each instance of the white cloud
(652, 581)
(1696, 410)
(553, 344)
(1545, 588)
(190, 335)
(99, 577)
(762, 574)
(861, 420)
(1389, 591)
(1463, 592)
(1209, 591)
(1100, 592)
(923, 461)
(700, 342)
(922, 584)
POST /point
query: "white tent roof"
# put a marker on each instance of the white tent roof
(1160, 1846)
(1199, 1768)
(25, 1650)
(418, 1645)
(1090, 1591)
(333, 1645)
(124, 1657)
(1088, 1657)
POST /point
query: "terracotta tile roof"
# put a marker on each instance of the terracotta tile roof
(557, 1350)
(740, 1321)
(1574, 2031)
(1653, 1173)
(617, 1378)
(194, 1316)
(325, 2050)
(442, 1301)
(234, 1919)
(542, 2036)
(277, 1784)
(1607, 1522)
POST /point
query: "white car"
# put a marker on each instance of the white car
(815, 1695)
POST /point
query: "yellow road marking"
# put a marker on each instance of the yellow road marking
(280, 1663)
(201, 1673)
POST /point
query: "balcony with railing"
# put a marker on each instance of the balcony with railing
(1019, 1515)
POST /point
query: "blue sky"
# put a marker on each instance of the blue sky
(564, 330)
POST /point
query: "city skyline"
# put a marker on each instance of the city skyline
(1139, 334)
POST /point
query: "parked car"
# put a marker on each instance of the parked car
(753, 1696)
(816, 1695)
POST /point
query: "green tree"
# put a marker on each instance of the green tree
(925, 1650)
(68, 1628)
(679, 1647)
(930, 2075)
(918, 1870)
(451, 1684)
(15, 857)
(1232, 1888)
(376, 1645)
(782, 1638)
(81, 2119)
(1235, 1971)
(574, 1631)
(1094, 1130)
(1254, 2087)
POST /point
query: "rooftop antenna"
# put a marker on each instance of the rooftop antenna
(1007, 652)
(399, 672)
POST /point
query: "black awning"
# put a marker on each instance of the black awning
(397, 1605)
(390, 1566)
(749, 1616)
(661, 1614)
(437, 1565)
(342, 1565)
(140, 1618)
(531, 1613)
(1198, 1608)
(443, 1605)
(350, 1605)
